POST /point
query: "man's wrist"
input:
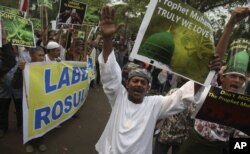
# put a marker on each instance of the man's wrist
(230, 25)
(107, 39)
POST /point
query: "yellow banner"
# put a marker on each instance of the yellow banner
(92, 64)
(53, 92)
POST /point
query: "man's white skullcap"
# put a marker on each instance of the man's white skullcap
(52, 45)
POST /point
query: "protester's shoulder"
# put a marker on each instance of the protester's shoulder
(171, 91)
(153, 99)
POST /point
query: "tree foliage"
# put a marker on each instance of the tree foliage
(206, 5)
(241, 30)
(133, 13)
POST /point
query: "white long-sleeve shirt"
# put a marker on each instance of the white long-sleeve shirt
(130, 126)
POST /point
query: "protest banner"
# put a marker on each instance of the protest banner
(92, 64)
(18, 30)
(71, 12)
(36, 24)
(53, 92)
(226, 108)
(46, 3)
(174, 36)
(10, 10)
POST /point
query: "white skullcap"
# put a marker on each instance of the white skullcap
(52, 45)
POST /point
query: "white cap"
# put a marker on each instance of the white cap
(52, 45)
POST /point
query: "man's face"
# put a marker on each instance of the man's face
(100, 44)
(55, 52)
(52, 35)
(37, 56)
(232, 82)
(80, 47)
(137, 88)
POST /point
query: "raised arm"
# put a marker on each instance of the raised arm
(237, 15)
(110, 71)
(108, 28)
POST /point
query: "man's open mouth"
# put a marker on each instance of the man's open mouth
(234, 87)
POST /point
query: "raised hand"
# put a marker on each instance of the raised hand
(108, 28)
(107, 24)
(215, 63)
(238, 14)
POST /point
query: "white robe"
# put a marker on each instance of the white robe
(130, 126)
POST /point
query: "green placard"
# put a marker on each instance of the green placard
(176, 37)
(18, 30)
